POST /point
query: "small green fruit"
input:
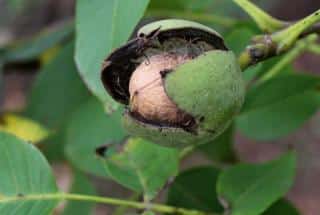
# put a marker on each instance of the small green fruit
(180, 83)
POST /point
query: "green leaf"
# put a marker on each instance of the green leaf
(215, 14)
(57, 91)
(256, 72)
(143, 166)
(1, 81)
(252, 72)
(196, 189)
(23, 128)
(221, 148)
(220, 7)
(80, 185)
(266, 22)
(167, 4)
(89, 128)
(1, 88)
(249, 189)
(15, 4)
(31, 48)
(275, 90)
(279, 106)
(101, 26)
(148, 213)
(187, 5)
(25, 179)
(239, 38)
(53, 147)
(281, 207)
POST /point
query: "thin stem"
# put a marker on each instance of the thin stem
(314, 48)
(265, 22)
(122, 209)
(186, 151)
(245, 59)
(105, 200)
(267, 46)
(201, 17)
(313, 29)
(285, 60)
(286, 38)
(133, 204)
(255, 53)
(300, 47)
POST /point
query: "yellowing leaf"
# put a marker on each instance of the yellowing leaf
(23, 128)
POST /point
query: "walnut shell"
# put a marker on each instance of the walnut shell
(147, 93)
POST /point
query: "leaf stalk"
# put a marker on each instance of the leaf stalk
(106, 200)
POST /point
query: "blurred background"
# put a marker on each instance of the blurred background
(21, 19)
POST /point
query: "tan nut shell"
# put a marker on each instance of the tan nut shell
(147, 94)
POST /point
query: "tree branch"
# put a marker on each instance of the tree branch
(267, 46)
(291, 55)
(261, 49)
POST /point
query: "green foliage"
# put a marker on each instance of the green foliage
(57, 91)
(90, 127)
(239, 37)
(140, 166)
(274, 109)
(97, 35)
(221, 149)
(18, 6)
(148, 213)
(85, 129)
(213, 6)
(237, 40)
(1, 81)
(167, 4)
(251, 188)
(24, 174)
(214, 13)
(281, 207)
(80, 185)
(195, 189)
(30, 49)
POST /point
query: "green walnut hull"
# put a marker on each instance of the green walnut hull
(210, 88)
(175, 24)
(166, 136)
